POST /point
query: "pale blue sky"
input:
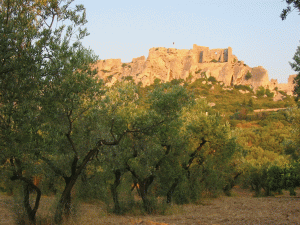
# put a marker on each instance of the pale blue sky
(253, 28)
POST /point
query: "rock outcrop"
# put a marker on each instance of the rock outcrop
(167, 64)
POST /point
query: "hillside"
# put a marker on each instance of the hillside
(167, 64)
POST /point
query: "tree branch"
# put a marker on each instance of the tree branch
(69, 133)
(194, 154)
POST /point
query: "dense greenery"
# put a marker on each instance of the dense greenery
(62, 126)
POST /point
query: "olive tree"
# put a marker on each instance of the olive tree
(38, 51)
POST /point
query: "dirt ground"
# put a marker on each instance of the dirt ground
(241, 208)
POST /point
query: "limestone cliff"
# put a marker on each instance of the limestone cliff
(167, 64)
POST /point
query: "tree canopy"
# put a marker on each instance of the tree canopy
(292, 4)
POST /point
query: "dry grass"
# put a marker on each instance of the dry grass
(240, 209)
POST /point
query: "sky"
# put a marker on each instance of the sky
(253, 28)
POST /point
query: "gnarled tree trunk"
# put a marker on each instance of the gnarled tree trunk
(64, 204)
(113, 188)
(171, 190)
(28, 184)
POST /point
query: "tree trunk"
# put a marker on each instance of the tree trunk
(143, 191)
(171, 190)
(28, 184)
(64, 204)
(31, 213)
(230, 184)
(113, 188)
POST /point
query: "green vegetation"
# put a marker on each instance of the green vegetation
(269, 93)
(248, 75)
(283, 93)
(109, 77)
(260, 92)
(126, 65)
(212, 79)
(214, 61)
(62, 131)
(128, 78)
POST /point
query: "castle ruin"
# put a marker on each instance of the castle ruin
(214, 55)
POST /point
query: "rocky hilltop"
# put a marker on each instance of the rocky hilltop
(170, 63)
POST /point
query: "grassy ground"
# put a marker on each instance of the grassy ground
(242, 208)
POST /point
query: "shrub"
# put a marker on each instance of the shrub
(128, 78)
(260, 92)
(212, 79)
(214, 61)
(176, 81)
(274, 179)
(269, 93)
(248, 75)
(190, 77)
(243, 87)
(283, 93)
(124, 64)
(157, 81)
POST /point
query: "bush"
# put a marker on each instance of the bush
(260, 92)
(214, 61)
(128, 78)
(189, 78)
(212, 79)
(176, 81)
(250, 103)
(248, 75)
(269, 93)
(283, 93)
(157, 81)
(243, 87)
(274, 179)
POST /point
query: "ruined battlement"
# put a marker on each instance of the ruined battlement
(207, 55)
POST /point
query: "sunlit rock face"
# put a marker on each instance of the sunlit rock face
(167, 64)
